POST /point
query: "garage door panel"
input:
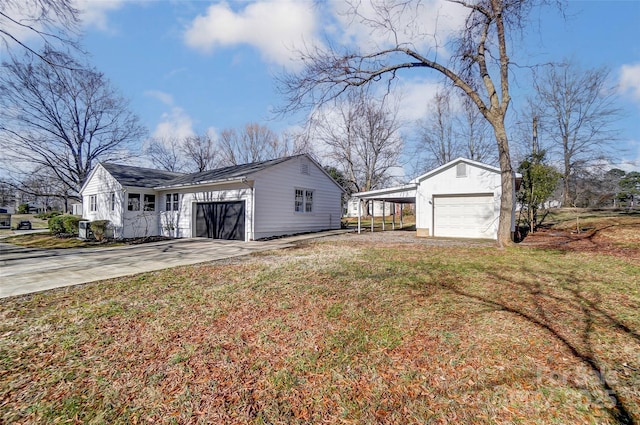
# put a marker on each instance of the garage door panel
(221, 220)
(464, 216)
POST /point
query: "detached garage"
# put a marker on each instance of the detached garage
(460, 199)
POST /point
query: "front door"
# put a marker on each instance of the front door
(221, 220)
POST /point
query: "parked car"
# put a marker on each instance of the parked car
(24, 225)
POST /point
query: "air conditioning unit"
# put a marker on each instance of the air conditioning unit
(84, 230)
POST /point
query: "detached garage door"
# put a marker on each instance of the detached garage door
(220, 220)
(464, 216)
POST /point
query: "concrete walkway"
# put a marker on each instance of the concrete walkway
(26, 270)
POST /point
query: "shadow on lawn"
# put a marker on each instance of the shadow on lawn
(541, 307)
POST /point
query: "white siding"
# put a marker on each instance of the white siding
(378, 208)
(273, 212)
(140, 224)
(102, 185)
(275, 199)
(477, 181)
(181, 223)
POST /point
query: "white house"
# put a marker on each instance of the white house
(377, 208)
(458, 199)
(244, 202)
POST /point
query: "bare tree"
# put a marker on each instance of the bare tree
(473, 133)
(255, 142)
(578, 113)
(49, 22)
(436, 135)
(165, 153)
(62, 119)
(200, 151)
(362, 139)
(451, 129)
(479, 67)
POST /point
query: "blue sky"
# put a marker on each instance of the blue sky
(194, 66)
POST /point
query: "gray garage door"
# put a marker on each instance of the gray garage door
(220, 220)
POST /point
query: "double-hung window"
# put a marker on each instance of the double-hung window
(133, 202)
(149, 202)
(308, 201)
(172, 202)
(113, 201)
(93, 203)
(303, 201)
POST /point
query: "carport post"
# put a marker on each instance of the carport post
(383, 215)
(401, 214)
(373, 212)
(359, 213)
(393, 216)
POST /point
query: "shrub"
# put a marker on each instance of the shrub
(23, 209)
(56, 225)
(64, 225)
(99, 228)
(71, 224)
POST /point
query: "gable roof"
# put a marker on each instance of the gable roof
(451, 164)
(150, 178)
(128, 175)
(234, 172)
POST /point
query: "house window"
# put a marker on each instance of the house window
(113, 202)
(303, 201)
(461, 170)
(308, 202)
(172, 202)
(133, 202)
(93, 203)
(149, 202)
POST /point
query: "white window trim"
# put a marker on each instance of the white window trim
(145, 205)
(304, 204)
(172, 200)
(129, 195)
(93, 203)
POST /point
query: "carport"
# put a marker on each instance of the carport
(405, 194)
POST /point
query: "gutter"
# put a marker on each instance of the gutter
(203, 183)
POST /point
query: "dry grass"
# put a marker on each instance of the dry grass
(335, 332)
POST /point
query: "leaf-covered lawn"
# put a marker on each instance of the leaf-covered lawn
(334, 332)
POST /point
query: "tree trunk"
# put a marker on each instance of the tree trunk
(506, 199)
(566, 196)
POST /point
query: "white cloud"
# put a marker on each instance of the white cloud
(175, 124)
(413, 98)
(163, 97)
(274, 27)
(630, 80)
(425, 25)
(94, 13)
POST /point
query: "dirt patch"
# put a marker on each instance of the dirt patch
(620, 238)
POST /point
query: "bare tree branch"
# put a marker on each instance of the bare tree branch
(62, 119)
(578, 113)
(329, 72)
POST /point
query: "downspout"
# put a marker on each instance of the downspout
(252, 228)
(123, 204)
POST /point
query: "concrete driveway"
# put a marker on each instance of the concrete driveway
(25, 270)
